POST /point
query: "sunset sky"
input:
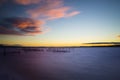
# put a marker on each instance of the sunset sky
(59, 22)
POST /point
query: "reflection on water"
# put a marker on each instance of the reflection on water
(65, 64)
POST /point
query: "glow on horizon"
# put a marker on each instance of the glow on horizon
(92, 21)
(43, 42)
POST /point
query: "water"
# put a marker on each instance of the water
(101, 63)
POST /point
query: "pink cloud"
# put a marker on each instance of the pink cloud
(27, 2)
(56, 13)
(21, 26)
(73, 14)
(45, 10)
(52, 10)
(5, 31)
(22, 2)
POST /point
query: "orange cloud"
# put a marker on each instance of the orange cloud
(52, 10)
(27, 2)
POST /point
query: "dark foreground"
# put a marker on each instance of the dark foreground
(69, 64)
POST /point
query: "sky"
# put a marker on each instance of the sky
(59, 22)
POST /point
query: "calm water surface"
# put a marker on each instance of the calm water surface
(78, 64)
